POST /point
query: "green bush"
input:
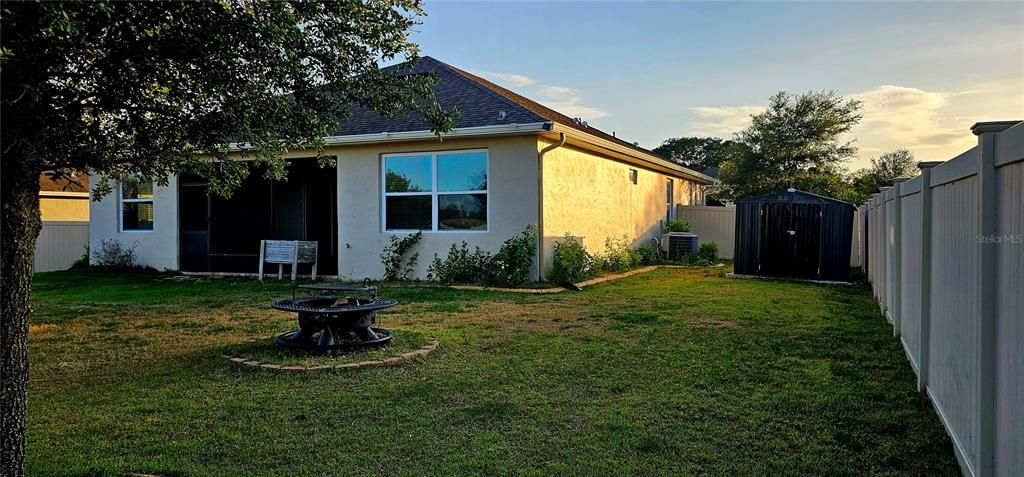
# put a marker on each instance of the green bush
(511, 265)
(461, 266)
(571, 262)
(708, 252)
(648, 254)
(677, 226)
(398, 263)
(83, 261)
(114, 255)
(618, 255)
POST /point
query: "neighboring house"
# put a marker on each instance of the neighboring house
(64, 211)
(509, 162)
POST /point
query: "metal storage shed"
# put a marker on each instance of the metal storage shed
(794, 234)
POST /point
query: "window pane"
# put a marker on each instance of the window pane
(462, 211)
(137, 216)
(133, 188)
(407, 174)
(408, 212)
(462, 171)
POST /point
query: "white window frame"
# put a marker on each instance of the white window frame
(120, 210)
(434, 193)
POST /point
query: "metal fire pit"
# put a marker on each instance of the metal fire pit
(328, 323)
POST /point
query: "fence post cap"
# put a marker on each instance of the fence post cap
(992, 126)
(928, 164)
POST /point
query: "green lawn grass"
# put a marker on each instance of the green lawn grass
(672, 372)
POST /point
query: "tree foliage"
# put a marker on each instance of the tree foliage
(797, 142)
(885, 169)
(124, 88)
(154, 89)
(701, 153)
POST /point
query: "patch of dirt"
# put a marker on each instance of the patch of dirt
(715, 323)
(42, 328)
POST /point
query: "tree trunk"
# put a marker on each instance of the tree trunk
(20, 227)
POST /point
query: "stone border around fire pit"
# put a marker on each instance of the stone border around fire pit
(298, 368)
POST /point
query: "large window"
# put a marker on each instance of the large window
(441, 191)
(136, 199)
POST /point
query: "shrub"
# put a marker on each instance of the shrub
(114, 255)
(677, 226)
(707, 251)
(397, 265)
(571, 262)
(648, 254)
(461, 266)
(512, 262)
(706, 255)
(618, 256)
(83, 261)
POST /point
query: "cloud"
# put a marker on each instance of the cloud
(722, 120)
(509, 79)
(906, 116)
(566, 100)
(933, 124)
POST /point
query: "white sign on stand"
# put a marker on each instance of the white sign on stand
(287, 252)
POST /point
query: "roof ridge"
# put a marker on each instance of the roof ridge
(558, 117)
(474, 80)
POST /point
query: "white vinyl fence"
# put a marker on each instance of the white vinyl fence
(60, 243)
(713, 224)
(857, 251)
(945, 258)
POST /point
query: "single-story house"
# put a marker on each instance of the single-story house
(64, 200)
(508, 163)
(64, 212)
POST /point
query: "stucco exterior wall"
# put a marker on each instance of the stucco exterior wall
(157, 248)
(64, 207)
(585, 194)
(592, 197)
(512, 201)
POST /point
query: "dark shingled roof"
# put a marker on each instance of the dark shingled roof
(479, 101)
(81, 184)
(478, 104)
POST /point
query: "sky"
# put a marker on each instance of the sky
(654, 70)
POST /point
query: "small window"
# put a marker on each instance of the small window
(443, 191)
(669, 196)
(633, 176)
(136, 197)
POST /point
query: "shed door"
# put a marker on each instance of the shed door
(790, 239)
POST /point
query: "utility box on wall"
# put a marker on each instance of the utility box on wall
(679, 244)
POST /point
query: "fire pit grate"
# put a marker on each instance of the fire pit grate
(328, 323)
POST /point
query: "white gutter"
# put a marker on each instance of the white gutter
(540, 203)
(457, 133)
(64, 194)
(635, 154)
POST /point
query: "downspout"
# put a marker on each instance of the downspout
(540, 203)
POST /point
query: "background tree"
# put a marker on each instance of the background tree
(154, 89)
(883, 171)
(701, 153)
(797, 142)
